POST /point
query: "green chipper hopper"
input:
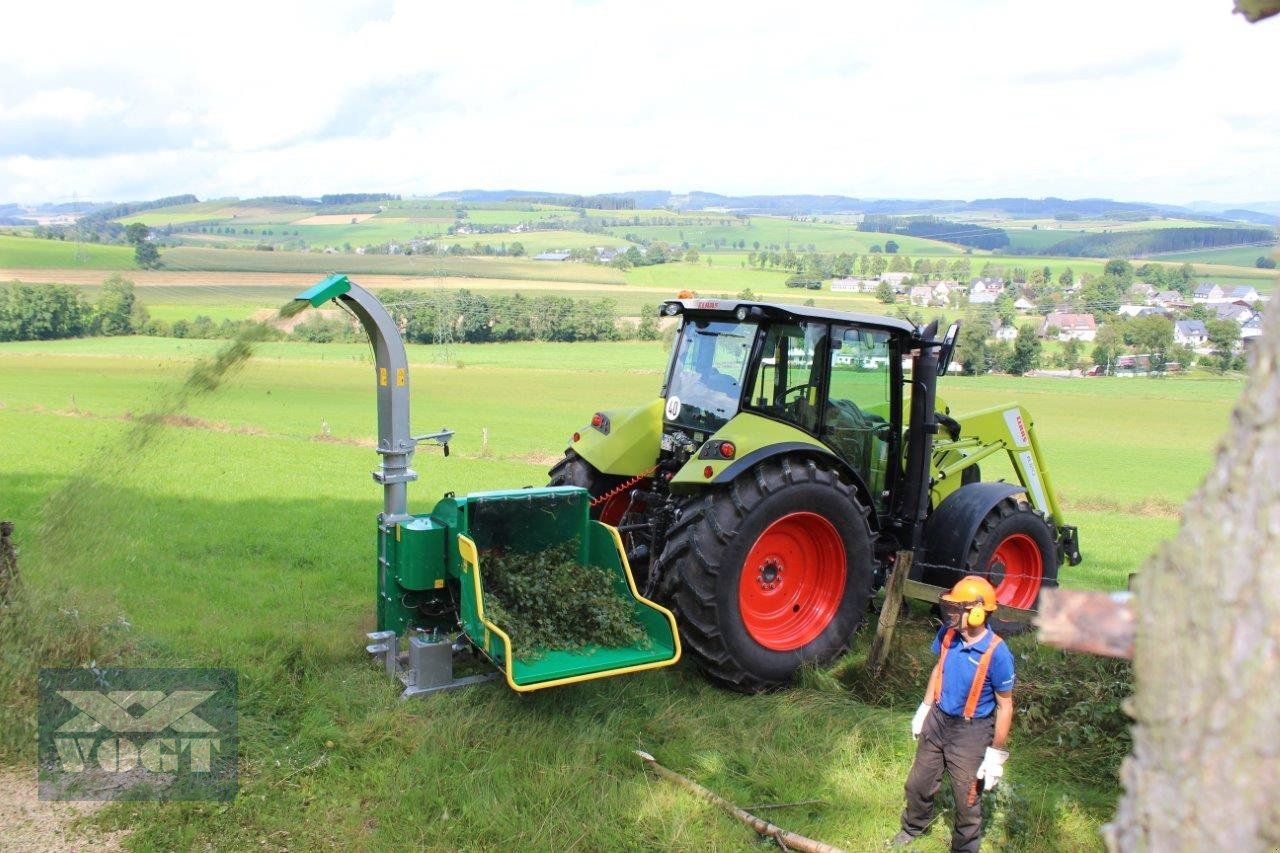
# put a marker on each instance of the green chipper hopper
(431, 567)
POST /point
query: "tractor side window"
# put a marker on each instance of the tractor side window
(787, 383)
(858, 416)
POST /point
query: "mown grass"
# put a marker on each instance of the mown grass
(239, 538)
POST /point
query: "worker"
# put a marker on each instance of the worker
(963, 723)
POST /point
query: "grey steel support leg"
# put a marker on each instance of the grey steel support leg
(429, 666)
(386, 648)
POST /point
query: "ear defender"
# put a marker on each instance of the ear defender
(977, 616)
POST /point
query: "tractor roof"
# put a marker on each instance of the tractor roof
(778, 311)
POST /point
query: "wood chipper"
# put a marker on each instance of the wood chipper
(431, 576)
(791, 456)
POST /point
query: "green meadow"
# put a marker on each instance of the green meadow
(27, 253)
(242, 537)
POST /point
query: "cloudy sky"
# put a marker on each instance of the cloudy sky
(1156, 100)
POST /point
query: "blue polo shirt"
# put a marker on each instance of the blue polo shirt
(962, 666)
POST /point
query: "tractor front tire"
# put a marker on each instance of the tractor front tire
(1015, 551)
(772, 572)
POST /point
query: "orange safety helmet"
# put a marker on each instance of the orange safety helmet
(970, 590)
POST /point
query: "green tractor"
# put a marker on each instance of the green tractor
(792, 455)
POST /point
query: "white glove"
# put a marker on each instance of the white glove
(917, 722)
(992, 768)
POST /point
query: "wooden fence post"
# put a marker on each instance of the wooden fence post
(889, 612)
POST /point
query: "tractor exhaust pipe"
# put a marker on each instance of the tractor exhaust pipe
(924, 388)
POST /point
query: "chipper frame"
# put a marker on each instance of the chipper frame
(431, 586)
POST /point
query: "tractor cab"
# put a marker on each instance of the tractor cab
(745, 376)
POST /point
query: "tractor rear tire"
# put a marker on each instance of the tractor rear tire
(771, 572)
(1014, 549)
(573, 470)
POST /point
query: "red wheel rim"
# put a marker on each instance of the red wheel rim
(615, 507)
(612, 510)
(1017, 570)
(792, 581)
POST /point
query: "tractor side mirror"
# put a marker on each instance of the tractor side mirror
(948, 347)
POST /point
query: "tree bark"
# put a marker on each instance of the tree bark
(1204, 773)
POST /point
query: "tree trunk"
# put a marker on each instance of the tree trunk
(1205, 769)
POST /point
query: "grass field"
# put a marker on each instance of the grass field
(241, 538)
(1243, 256)
(29, 253)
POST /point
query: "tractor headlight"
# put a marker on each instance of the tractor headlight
(671, 309)
(601, 422)
(741, 313)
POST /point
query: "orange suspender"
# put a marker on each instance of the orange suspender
(942, 662)
(979, 677)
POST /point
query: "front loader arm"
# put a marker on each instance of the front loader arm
(1006, 427)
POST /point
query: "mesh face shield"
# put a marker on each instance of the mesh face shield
(953, 610)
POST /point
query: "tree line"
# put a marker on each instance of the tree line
(594, 202)
(354, 198)
(466, 316)
(1137, 243)
(51, 311)
(934, 228)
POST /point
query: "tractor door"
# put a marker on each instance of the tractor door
(787, 384)
(858, 422)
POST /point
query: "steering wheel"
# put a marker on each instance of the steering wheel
(795, 388)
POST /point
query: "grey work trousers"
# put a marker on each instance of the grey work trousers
(954, 745)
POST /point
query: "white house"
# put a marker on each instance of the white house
(1232, 311)
(895, 279)
(1241, 293)
(1206, 292)
(942, 290)
(1079, 327)
(855, 285)
(1190, 333)
(1141, 291)
(1169, 299)
(1131, 310)
(1022, 303)
(921, 294)
(1005, 333)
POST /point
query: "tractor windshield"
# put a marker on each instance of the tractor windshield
(706, 376)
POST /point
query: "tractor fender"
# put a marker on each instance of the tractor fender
(950, 528)
(803, 449)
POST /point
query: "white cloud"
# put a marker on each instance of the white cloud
(1151, 100)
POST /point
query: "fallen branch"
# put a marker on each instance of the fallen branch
(1098, 623)
(787, 840)
(796, 804)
